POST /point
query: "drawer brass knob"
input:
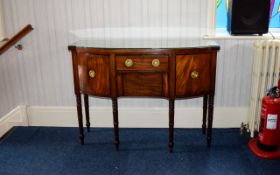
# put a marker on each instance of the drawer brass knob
(194, 74)
(91, 73)
(128, 63)
(155, 62)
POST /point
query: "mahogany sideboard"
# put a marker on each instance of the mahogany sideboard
(169, 69)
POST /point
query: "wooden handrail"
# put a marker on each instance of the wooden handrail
(15, 38)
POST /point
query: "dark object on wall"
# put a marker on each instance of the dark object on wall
(248, 16)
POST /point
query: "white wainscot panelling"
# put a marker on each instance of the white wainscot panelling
(139, 117)
(1, 22)
(234, 70)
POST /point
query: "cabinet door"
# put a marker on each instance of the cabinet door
(94, 74)
(192, 75)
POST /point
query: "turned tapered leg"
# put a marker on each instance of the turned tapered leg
(80, 117)
(210, 119)
(87, 111)
(205, 102)
(116, 122)
(171, 125)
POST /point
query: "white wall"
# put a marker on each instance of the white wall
(1, 22)
(41, 74)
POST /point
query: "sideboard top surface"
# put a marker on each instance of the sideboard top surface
(146, 44)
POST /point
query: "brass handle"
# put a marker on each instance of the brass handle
(128, 62)
(91, 73)
(194, 74)
(155, 62)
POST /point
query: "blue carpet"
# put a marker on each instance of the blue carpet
(56, 151)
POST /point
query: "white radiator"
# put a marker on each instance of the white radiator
(265, 75)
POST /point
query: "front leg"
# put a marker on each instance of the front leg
(116, 122)
(87, 111)
(80, 117)
(171, 125)
(205, 103)
(210, 119)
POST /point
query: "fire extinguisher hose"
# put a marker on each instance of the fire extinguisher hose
(273, 92)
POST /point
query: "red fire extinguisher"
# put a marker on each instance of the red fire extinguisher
(269, 132)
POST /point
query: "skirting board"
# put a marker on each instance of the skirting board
(17, 117)
(224, 117)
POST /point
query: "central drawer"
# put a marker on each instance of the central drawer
(142, 75)
(142, 63)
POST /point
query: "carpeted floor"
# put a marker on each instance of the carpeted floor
(53, 151)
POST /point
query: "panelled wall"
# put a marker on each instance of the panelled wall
(1, 22)
(41, 74)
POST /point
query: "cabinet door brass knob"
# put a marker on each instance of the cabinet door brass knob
(128, 62)
(155, 62)
(194, 74)
(91, 73)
